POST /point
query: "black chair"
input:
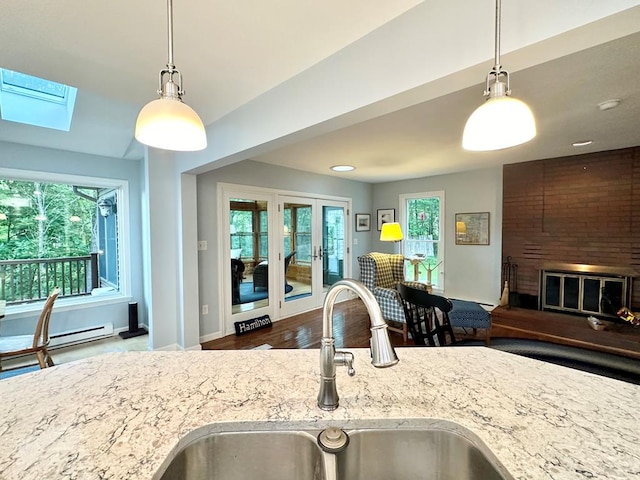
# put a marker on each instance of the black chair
(261, 274)
(427, 317)
(237, 271)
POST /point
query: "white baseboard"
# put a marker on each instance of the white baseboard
(169, 348)
(211, 336)
(81, 335)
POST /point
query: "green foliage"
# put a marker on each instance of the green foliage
(424, 218)
(38, 221)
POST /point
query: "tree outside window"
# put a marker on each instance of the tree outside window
(423, 234)
(48, 232)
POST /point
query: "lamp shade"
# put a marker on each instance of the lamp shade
(500, 122)
(170, 124)
(391, 232)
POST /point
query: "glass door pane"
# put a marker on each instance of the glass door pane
(249, 252)
(333, 244)
(298, 251)
(315, 229)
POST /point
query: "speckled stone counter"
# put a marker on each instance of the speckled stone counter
(120, 415)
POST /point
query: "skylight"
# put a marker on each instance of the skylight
(36, 101)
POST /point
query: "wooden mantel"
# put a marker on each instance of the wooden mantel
(565, 329)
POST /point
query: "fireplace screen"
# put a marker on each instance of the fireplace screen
(583, 293)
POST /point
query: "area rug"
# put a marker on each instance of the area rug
(18, 371)
(247, 294)
(297, 297)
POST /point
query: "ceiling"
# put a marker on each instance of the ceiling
(425, 139)
(230, 55)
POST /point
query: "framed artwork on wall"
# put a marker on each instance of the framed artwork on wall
(386, 215)
(472, 228)
(363, 222)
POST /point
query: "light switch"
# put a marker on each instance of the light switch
(202, 245)
(205, 309)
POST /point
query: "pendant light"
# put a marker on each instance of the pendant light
(502, 121)
(167, 122)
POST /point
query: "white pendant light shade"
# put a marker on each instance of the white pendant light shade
(167, 122)
(500, 122)
(170, 124)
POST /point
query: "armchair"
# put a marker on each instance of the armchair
(261, 274)
(381, 273)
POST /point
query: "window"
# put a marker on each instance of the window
(249, 229)
(422, 216)
(36, 101)
(302, 231)
(62, 235)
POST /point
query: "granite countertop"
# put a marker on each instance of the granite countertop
(120, 415)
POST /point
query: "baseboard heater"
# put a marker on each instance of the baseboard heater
(81, 335)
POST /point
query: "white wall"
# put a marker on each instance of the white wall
(403, 63)
(29, 158)
(267, 176)
(471, 272)
(170, 257)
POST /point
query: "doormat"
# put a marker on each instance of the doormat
(252, 324)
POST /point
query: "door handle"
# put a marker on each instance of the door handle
(314, 253)
(320, 253)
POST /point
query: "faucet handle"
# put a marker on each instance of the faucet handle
(345, 359)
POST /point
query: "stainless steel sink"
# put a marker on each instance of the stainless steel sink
(426, 452)
(268, 455)
(416, 453)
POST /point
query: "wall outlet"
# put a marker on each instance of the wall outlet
(205, 309)
(202, 245)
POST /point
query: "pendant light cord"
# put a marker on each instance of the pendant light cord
(170, 64)
(497, 67)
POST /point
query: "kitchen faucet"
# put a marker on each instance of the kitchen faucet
(382, 352)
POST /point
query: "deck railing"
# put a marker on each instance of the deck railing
(31, 280)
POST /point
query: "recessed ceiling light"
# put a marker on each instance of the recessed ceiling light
(609, 104)
(582, 143)
(342, 168)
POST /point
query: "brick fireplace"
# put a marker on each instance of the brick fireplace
(580, 212)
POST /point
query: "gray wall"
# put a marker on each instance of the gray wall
(266, 176)
(28, 158)
(471, 272)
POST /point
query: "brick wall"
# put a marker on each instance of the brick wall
(579, 209)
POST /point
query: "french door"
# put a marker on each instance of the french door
(279, 253)
(314, 246)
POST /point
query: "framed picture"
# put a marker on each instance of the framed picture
(472, 228)
(363, 222)
(386, 215)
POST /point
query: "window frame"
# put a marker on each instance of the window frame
(124, 247)
(438, 282)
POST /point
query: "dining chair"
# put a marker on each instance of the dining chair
(36, 344)
(427, 317)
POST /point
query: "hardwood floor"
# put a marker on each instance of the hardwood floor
(350, 329)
